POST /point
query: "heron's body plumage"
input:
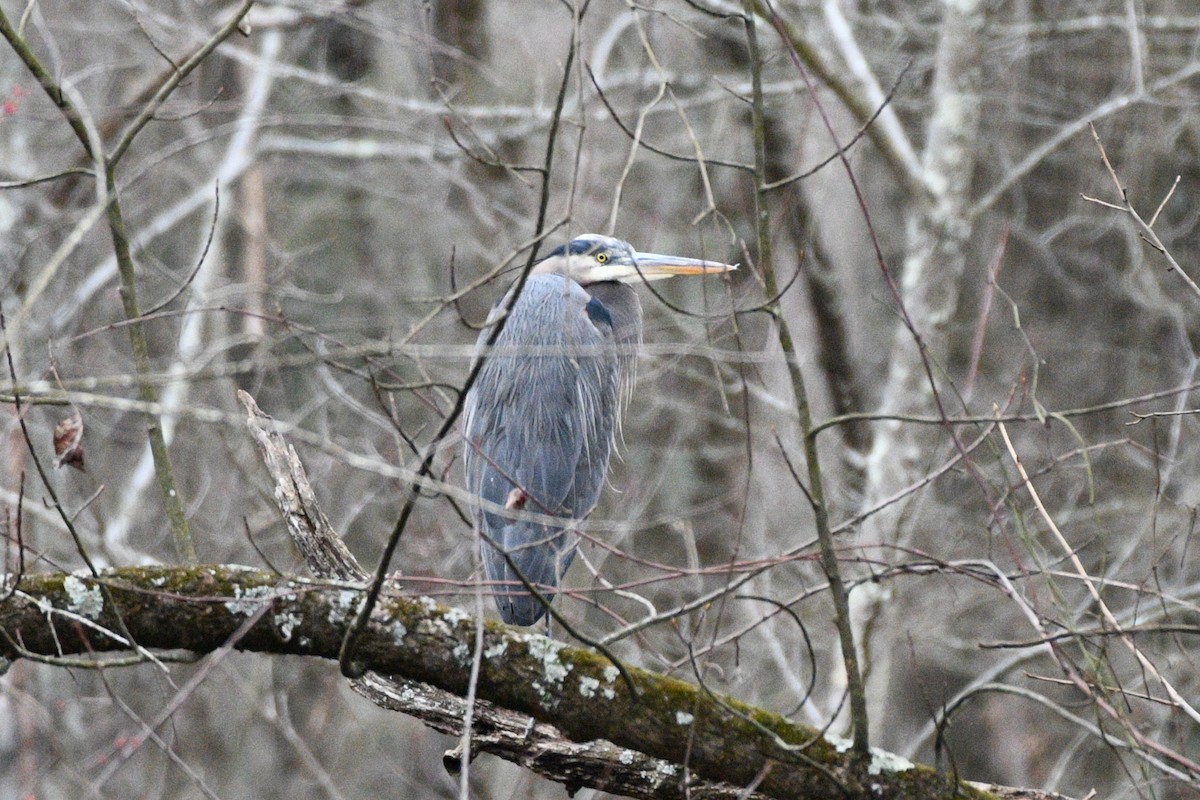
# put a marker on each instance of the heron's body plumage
(539, 420)
(554, 374)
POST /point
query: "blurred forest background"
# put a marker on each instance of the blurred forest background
(323, 212)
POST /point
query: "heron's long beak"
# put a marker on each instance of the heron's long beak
(653, 266)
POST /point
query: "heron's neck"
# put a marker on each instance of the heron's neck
(626, 311)
(623, 306)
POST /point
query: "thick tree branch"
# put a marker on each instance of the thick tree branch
(202, 608)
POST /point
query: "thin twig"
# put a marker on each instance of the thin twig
(212, 229)
(1090, 584)
(1163, 204)
(174, 78)
(66, 173)
(1146, 229)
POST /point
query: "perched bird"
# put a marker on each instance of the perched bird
(538, 422)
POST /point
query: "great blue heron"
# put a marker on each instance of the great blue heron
(539, 419)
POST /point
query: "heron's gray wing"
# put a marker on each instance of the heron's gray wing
(538, 429)
(539, 403)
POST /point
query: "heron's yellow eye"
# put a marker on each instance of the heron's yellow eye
(601, 258)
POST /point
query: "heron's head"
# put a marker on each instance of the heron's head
(593, 258)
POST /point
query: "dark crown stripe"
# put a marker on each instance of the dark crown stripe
(576, 247)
